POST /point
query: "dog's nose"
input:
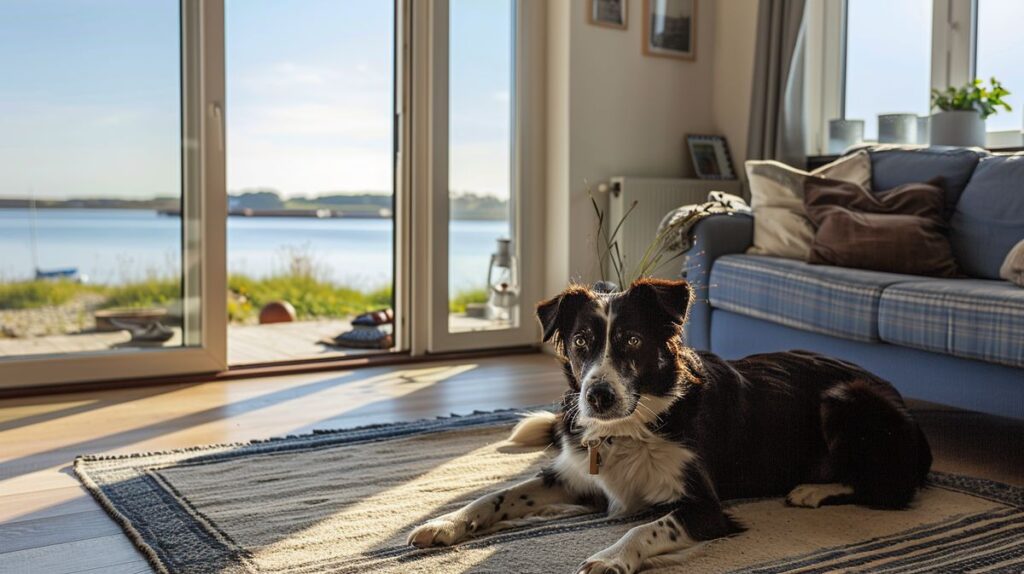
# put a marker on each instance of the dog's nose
(600, 396)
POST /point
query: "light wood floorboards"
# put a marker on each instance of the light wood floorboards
(49, 524)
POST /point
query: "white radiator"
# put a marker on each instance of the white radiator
(654, 198)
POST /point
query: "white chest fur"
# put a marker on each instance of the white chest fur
(635, 472)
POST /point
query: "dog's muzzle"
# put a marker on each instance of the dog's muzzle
(601, 397)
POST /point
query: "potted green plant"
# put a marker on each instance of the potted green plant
(961, 112)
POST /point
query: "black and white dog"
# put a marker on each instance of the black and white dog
(648, 422)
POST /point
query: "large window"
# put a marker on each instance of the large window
(888, 59)
(110, 192)
(91, 189)
(999, 54)
(867, 58)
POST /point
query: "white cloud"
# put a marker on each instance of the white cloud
(287, 75)
(480, 168)
(307, 171)
(342, 119)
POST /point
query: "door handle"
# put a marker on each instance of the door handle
(218, 117)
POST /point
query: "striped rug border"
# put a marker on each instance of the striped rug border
(127, 487)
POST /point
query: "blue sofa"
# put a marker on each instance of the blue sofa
(953, 341)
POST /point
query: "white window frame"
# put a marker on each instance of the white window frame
(204, 212)
(428, 169)
(954, 33)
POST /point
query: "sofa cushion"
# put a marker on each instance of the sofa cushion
(989, 219)
(892, 166)
(969, 318)
(831, 300)
(781, 227)
(900, 230)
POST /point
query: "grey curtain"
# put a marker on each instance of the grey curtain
(777, 126)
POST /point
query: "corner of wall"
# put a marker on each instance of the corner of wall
(612, 110)
(629, 113)
(735, 39)
(556, 196)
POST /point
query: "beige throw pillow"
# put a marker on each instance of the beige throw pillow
(781, 227)
(1013, 267)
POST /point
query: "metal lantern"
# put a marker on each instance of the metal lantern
(503, 282)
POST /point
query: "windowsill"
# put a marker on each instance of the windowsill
(816, 161)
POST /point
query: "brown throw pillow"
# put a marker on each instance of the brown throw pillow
(781, 227)
(901, 230)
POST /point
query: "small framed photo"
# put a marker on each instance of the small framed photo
(608, 13)
(670, 28)
(710, 155)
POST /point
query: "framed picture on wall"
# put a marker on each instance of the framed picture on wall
(608, 13)
(670, 28)
(710, 155)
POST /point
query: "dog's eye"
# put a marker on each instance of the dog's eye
(633, 341)
(579, 341)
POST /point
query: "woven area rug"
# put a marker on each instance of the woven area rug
(344, 501)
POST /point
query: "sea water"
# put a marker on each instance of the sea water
(117, 246)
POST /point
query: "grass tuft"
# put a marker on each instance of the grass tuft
(153, 292)
(462, 298)
(37, 294)
(312, 297)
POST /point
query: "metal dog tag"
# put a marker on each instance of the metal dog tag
(595, 455)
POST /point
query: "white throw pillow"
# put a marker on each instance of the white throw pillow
(1013, 267)
(781, 227)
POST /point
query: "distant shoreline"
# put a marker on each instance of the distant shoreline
(175, 211)
(150, 204)
(313, 213)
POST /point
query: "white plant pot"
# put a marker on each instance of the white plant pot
(897, 128)
(958, 128)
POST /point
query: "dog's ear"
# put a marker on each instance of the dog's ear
(671, 297)
(556, 313)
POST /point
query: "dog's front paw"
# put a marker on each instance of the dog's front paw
(608, 565)
(816, 495)
(441, 531)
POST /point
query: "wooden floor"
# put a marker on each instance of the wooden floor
(49, 524)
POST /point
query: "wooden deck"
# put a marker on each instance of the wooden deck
(247, 344)
(48, 523)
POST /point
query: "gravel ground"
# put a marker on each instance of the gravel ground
(72, 317)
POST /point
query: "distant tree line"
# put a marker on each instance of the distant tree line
(464, 205)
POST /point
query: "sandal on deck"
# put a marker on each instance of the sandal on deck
(361, 337)
(153, 332)
(374, 318)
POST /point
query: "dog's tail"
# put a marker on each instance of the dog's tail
(535, 429)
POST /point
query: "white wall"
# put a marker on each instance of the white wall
(557, 222)
(612, 111)
(735, 38)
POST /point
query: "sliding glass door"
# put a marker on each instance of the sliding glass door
(310, 177)
(184, 179)
(109, 223)
(483, 223)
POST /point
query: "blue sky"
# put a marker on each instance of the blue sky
(889, 58)
(90, 104)
(999, 54)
